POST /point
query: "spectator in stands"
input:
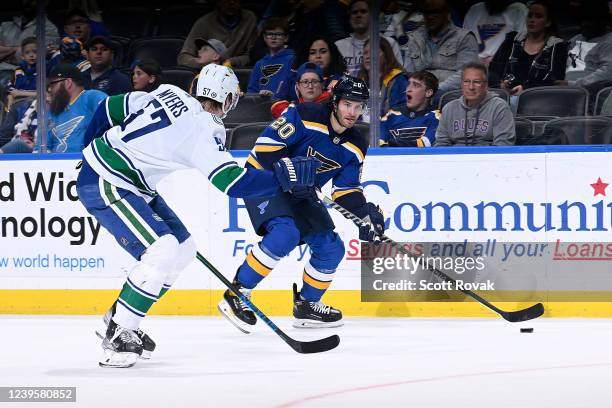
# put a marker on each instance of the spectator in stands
(399, 20)
(392, 78)
(235, 27)
(535, 57)
(491, 21)
(146, 75)
(415, 123)
(103, 75)
(70, 51)
(590, 57)
(308, 88)
(210, 51)
(479, 117)
(19, 125)
(270, 72)
(71, 108)
(24, 80)
(304, 18)
(77, 24)
(351, 47)
(325, 54)
(13, 32)
(440, 47)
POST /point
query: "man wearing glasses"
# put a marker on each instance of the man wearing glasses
(479, 117)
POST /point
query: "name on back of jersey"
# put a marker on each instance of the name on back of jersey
(173, 102)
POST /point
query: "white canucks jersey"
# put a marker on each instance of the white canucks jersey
(154, 134)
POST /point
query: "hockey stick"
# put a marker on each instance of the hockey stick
(529, 313)
(304, 347)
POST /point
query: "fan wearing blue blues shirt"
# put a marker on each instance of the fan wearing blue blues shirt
(415, 124)
(71, 109)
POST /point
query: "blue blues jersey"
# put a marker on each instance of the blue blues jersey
(403, 128)
(305, 130)
(271, 72)
(25, 77)
(66, 131)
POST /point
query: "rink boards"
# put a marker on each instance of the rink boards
(55, 258)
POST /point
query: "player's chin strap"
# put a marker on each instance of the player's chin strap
(529, 313)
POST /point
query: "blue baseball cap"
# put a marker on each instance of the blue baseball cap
(309, 67)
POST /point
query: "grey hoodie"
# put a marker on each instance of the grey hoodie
(489, 123)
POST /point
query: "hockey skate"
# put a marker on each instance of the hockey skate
(314, 314)
(148, 345)
(235, 310)
(122, 347)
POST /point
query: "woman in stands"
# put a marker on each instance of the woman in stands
(146, 75)
(532, 58)
(393, 79)
(325, 54)
(308, 88)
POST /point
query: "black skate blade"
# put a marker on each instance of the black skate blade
(234, 321)
(531, 312)
(316, 346)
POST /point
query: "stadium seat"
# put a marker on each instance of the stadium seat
(452, 95)
(524, 131)
(178, 20)
(123, 44)
(559, 101)
(180, 77)
(243, 137)
(578, 130)
(243, 75)
(602, 95)
(163, 50)
(129, 22)
(251, 108)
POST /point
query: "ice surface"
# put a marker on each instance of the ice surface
(421, 363)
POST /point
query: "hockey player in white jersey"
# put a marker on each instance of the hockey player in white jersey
(138, 138)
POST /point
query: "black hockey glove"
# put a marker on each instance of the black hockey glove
(375, 223)
(296, 172)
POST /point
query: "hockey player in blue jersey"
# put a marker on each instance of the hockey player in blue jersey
(286, 220)
(415, 124)
(136, 140)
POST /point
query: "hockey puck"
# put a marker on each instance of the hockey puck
(527, 330)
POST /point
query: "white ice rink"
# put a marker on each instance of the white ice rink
(382, 362)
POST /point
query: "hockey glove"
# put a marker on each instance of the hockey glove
(375, 223)
(304, 193)
(296, 172)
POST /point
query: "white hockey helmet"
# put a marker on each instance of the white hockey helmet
(217, 82)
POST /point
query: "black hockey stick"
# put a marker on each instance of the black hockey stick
(529, 313)
(304, 347)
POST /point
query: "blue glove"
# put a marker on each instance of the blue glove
(304, 193)
(375, 223)
(296, 172)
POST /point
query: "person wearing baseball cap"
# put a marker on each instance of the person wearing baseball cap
(308, 88)
(210, 51)
(71, 108)
(103, 75)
